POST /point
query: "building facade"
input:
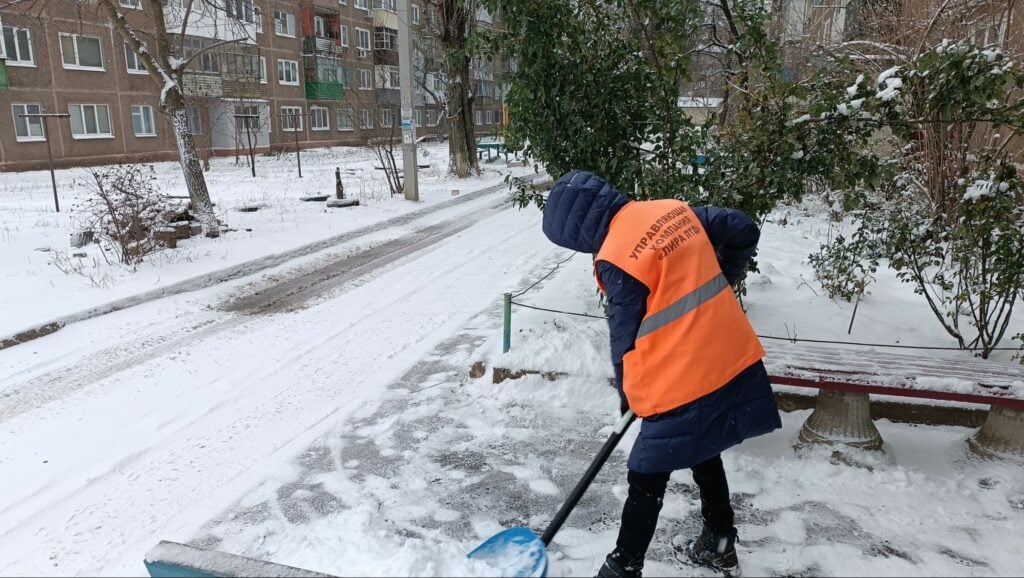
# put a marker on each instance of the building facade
(263, 75)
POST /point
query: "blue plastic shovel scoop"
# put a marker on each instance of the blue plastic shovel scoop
(521, 552)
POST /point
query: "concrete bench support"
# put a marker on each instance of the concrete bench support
(1002, 434)
(841, 417)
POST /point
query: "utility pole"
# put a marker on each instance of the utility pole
(410, 180)
(45, 116)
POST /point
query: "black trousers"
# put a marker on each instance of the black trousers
(643, 504)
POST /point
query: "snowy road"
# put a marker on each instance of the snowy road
(140, 425)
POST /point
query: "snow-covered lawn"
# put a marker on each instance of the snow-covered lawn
(33, 290)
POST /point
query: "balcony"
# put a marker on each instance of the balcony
(202, 84)
(323, 77)
(321, 46)
(241, 86)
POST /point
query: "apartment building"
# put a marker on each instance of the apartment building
(265, 74)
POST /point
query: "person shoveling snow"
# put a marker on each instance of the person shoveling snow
(686, 359)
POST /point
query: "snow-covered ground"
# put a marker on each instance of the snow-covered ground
(33, 290)
(340, 432)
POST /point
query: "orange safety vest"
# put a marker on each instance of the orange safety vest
(695, 337)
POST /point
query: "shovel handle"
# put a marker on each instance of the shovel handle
(588, 477)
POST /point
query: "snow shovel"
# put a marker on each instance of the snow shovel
(519, 551)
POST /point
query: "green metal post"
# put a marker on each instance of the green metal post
(508, 323)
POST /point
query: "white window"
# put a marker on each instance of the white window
(362, 4)
(344, 119)
(263, 70)
(320, 26)
(247, 117)
(367, 119)
(291, 118)
(432, 117)
(284, 24)
(134, 63)
(257, 14)
(386, 118)
(288, 72)
(363, 40)
(241, 10)
(476, 117)
(28, 128)
(418, 121)
(90, 121)
(136, 4)
(318, 118)
(195, 122)
(344, 35)
(142, 120)
(415, 13)
(17, 46)
(81, 52)
(365, 83)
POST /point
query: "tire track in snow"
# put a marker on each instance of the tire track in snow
(282, 295)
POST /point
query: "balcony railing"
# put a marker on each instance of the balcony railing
(320, 45)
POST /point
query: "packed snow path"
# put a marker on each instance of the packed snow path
(143, 424)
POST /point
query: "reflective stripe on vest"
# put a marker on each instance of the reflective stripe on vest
(694, 337)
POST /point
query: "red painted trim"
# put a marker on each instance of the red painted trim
(822, 383)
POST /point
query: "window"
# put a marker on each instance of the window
(318, 118)
(247, 117)
(344, 119)
(263, 70)
(385, 38)
(477, 117)
(367, 115)
(257, 14)
(432, 118)
(18, 46)
(418, 121)
(241, 10)
(136, 4)
(90, 121)
(362, 4)
(195, 122)
(209, 62)
(291, 118)
(81, 52)
(345, 77)
(384, 5)
(362, 42)
(415, 13)
(386, 118)
(288, 72)
(142, 120)
(344, 35)
(27, 129)
(365, 83)
(284, 24)
(134, 63)
(320, 26)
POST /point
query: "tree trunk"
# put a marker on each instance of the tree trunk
(457, 18)
(192, 169)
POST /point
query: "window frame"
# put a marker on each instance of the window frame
(363, 51)
(290, 118)
(289, 22)
(285, 61)
(75, 38)
(132, 4)
(364, 73)
(323, 111)
(128, 55)
(20, 62)
(38, 120)
(345, 112)
(145, 112)
(414, 9)
(366, 118)
(343, 32)
(95, 108)
(263, 70)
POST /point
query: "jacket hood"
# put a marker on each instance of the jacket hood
(579, 210)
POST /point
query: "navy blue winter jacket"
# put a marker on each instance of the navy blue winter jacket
(577, 215)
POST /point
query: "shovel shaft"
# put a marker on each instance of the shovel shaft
(588, 477)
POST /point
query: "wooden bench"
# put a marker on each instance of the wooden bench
(846, 375)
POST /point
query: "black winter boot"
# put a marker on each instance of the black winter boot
(715, 550)
(615, 566)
